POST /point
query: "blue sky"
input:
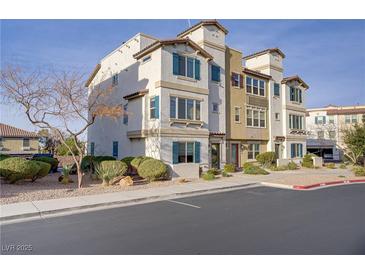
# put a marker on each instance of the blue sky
(328, 54)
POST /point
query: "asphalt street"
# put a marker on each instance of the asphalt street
(258, 220)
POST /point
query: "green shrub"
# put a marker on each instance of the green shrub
(226, 174)
(49, 160)
(230, 168)
(330, 165)
(86, 164)
(214, 171)
(110, 169)
(152, 169)
(308, 161)
(247, 165)
(14, 169)
(89, 162)
(359, 171)
(128, 160)
(65, 178)
(4, 156)
(266, 159)
(139, 160)
(292, 166)
(208, 176)
(343, 166)
(278, 168)
(255, 170)
(44, 169)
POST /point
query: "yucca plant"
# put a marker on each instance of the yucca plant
(66, 169)
(108, 170)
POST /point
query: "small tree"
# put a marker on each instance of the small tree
(354, 139)
(63, 150)
(57, 101)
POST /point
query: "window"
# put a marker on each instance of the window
(320, 120)
(262, 87)
(277, 116)
(186, 152)
(237, 114)
(1, 142)
(296, 121)
(253, 151)
(215, 107)
(125, 114)
(320, 134)
(255, 86)
(147, 58)
(115, 80)
(276, 89)
(332, 134)
(296, 95)
(26, 142)
(236, 80)
(154, 107)
(348, 119)
(92, 148)
(216, 73)
(296, 150)
(256, 117)
(248, 84)
(186, 66)
(354, 119)
(331, 119)
(115, 149)
(185, 108)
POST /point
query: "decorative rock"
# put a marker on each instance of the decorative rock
(126, 181)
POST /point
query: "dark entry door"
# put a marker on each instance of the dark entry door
(215, 159)
(277, 151)
(234, 154)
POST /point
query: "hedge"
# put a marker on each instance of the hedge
(359, 171)
(139, 160)
(208, 176)
(266, 159)
(230, 168)
(4, 156)
(89, 162)
(152, 169)
(308, 161)
(14, 169)
(255, 170)
(44, 169)
(52, 161)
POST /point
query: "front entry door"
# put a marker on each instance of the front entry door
(234, 154)
(277, 151)
(215, 157)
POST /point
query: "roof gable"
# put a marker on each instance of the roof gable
(277, 50)
(203, 23)
(294, 78)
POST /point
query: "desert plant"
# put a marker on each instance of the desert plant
(330, 165)
(139, 160)
(343, 166)
(226, 174)
(266, 159)
(14, 169)
(308, 161)
(66, 169)
(110, 169)
(278, 168)
(128, 160)
(52, 161)
(89, 162)
(255, 170)
(230, 168)
(4, 156)
(44, 169)
(359, 171)
(213, 171)
(292, 166)
(247, 165)
(208, 176)
(152, 169)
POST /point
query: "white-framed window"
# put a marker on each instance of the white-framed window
(184, 108)
(277, 116)
(115, 80)
(296, 121)
(276, 89)
(215, 107)
(253, 151)
(125, 114)
(186, 66)
(296, 95)
(153, 108)
(331, 119)
(256, 117)
(255, 86)
(146, 59)
(320, 120)
(296, 150)
(26, 142)
(354, 119)
(236, 79)
(347, 119)
(237, 114)
(186, 152)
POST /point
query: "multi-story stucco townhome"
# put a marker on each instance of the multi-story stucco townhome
(286, 96)
(326, 125)
(174, 96)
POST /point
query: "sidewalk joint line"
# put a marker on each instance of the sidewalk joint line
(181, 203)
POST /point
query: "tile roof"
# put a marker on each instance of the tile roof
(256, 73)
(10, 131)
(277, 50)
(295, 77)
(204, 23)
(161, 43)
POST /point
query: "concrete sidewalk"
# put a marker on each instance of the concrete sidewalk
(39, 209)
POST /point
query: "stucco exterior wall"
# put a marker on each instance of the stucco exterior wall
(15, 146)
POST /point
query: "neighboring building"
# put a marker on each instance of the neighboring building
(325, 126)
(174, 96)
(190, 100)
(16, 141)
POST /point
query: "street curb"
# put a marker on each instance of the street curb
(39, 214)
(344, 182)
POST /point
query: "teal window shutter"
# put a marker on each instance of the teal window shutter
(300, 150)
(92, 148)
(292, 148)
(175, 152)
(157, 107)
(197, 152)
(115, 149)
(216, 73)
(175, 69)
(197, 69)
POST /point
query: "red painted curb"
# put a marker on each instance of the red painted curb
(327, 184)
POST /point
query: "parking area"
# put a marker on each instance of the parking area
(257, 220)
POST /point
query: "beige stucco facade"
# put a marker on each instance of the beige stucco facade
(14, 146)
